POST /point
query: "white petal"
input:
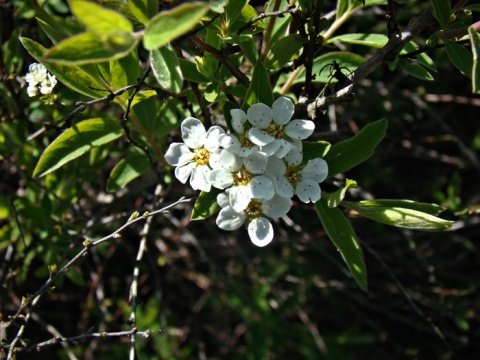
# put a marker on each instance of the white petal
(259, 137)
(231, 143)
(308, 190)
(229, 161)
(294, 157)
(239, 118)
(276, 207)
(193, 133)
(262, 187)
(178, 154)
(283, 148)
(200, 178)
(260, 115)
(316, 169)
(283, 187)
(183, 172)
(260, 231)
(212, 140)
(221, 178)
(229, 219)
(256, 163)
(32, 91)
(271, 148)
(214, 160)
(283, 109)
(239, 197)
(275, 167)
(300, 129)
(222, 200)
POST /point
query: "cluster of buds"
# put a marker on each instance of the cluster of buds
(39, 80)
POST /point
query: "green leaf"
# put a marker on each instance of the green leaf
(75, 142)
(283, 51)
(349, 153)
(414, 70)
(167, 71)
(97, 19)
(341, 233)
(335, 198)
(51, 26)
(473, 7)
(422, 58)
(322, 66)
(127, 170)
(460, 57)
(169, 25)
(93, 48)
(123, 72)
(313, 150)
(249, 48)
(190, 71)
(233, 10)
(140, 9)
(429, 208)
(260, 90)
(441, 10)
(74, 77)
(206, 205)
(372, 40)
(475, 40)
(400, 214)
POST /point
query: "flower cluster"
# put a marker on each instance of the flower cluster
(39, 79)
(259, 165)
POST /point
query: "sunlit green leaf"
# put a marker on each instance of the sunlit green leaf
(98, 19)
(75, 142)
(335, 198)
(341, 233)
(372, 40)
(169, 25)
(124, 71)
(143, 10)
(165, 66)
(414, 70)
(206, 205)
(475, 41)
(127, 170)
(400, 214)
(88, 48)
(349, 153)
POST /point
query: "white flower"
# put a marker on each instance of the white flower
(198, 155)
(241, 177)
(291, 176)
(272, 128)
(239, 143)
(257, 214)
(38, 76)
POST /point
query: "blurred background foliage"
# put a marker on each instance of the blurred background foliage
(208, 294)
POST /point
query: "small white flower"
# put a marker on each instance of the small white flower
(240, 176)
(196, 157)
(238, 142)
(292, 177)
(257, 214)
(39, 79)
(273, 130)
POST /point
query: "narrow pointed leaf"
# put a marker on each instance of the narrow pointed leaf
(206, 205)
(341, 233)
(335, 198)
(475, 40)
(75, 142)
(460, 57)
(166, 68)
(260, 90)
(169, 25)
(349, 153)
(312, 150)
(441, 10)
(127, 170)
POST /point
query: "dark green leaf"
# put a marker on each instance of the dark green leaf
(260, 90)
(341, 233)
(414, 70)
(337, 197)
(233, 10)
(165, 66)
(460, 57)
(127, 170)
(312, 150)
(400, 214)
(249, 48)
(169, 25)
(372, 40)
(441, 10)
(349, 153)
(75, 142)
(206, 205)
(283, 51)
(190, 71)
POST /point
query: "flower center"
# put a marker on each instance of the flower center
(201, 156)
(293, 175)
(254, 209)
(276, 131)
(244, 141)
(242, 177)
